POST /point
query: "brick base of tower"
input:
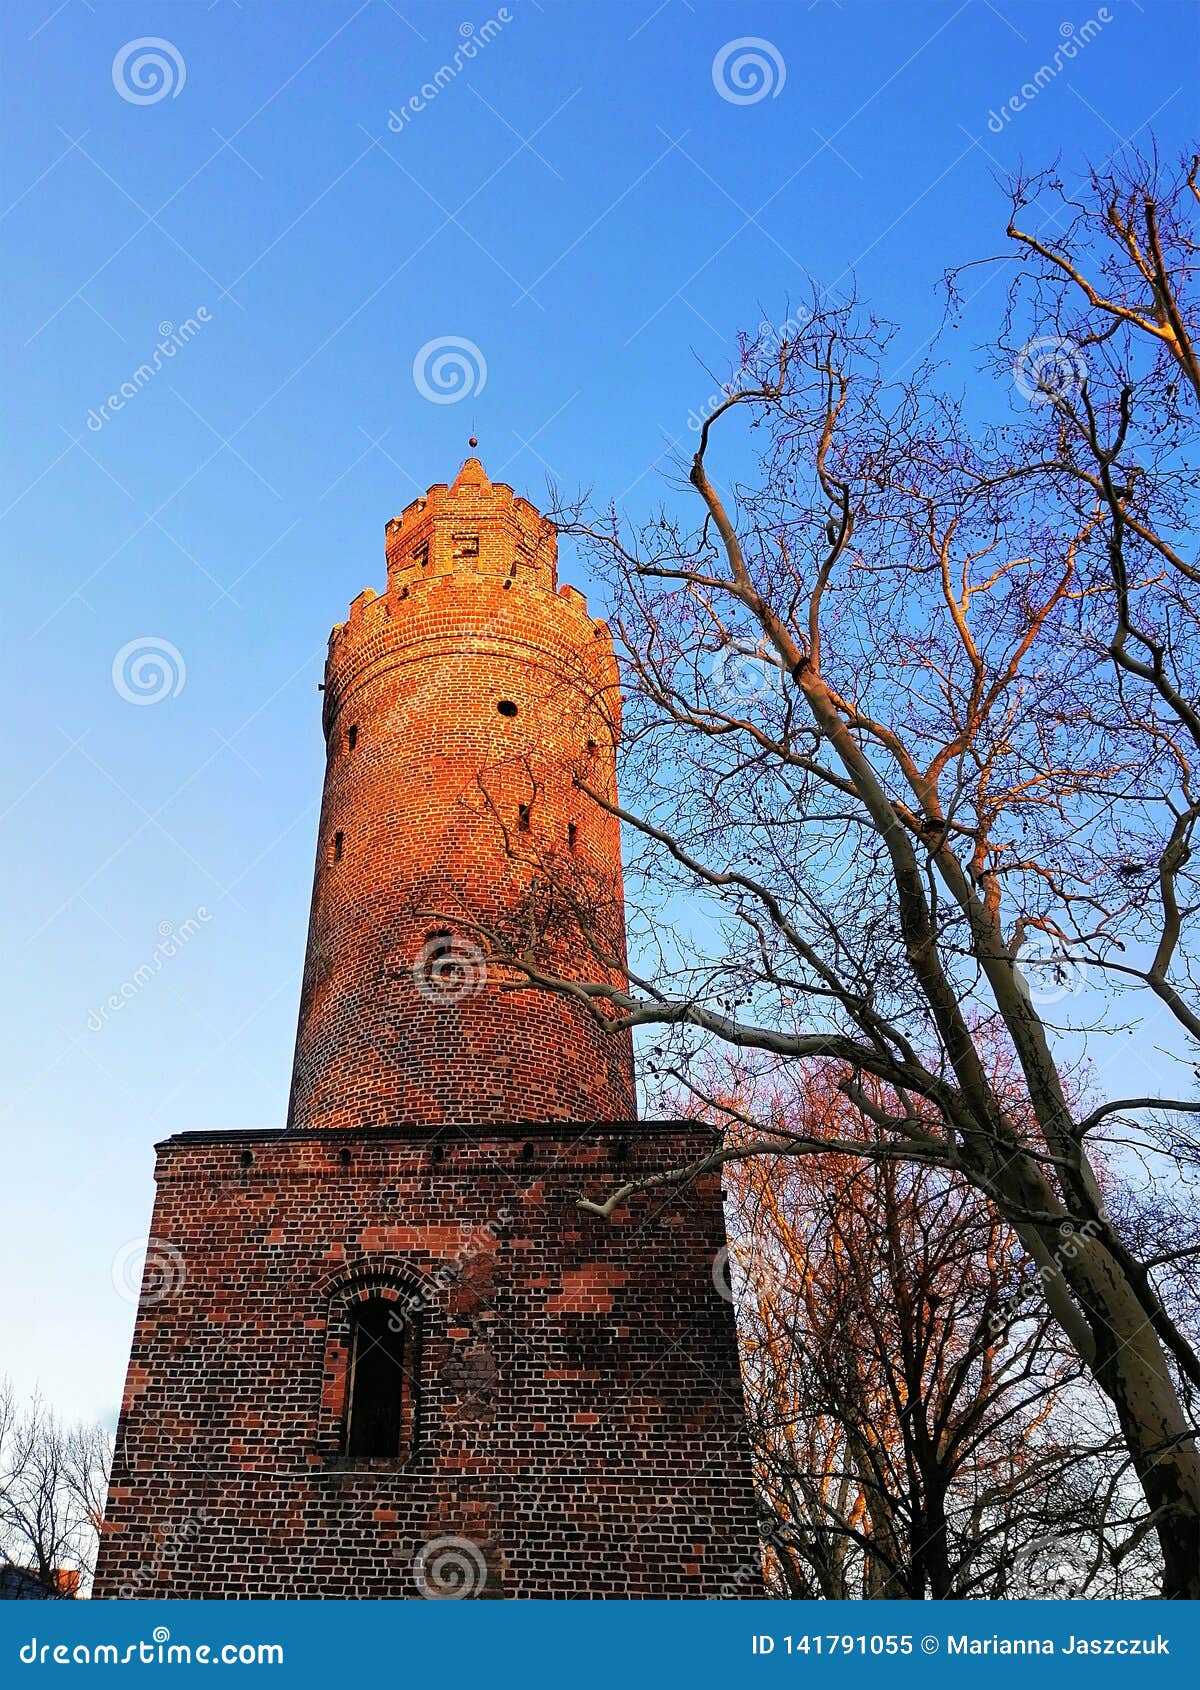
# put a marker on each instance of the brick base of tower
(580, 1429)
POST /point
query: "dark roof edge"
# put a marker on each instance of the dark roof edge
(472, 1133)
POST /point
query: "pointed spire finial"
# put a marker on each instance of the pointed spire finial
(472, 474)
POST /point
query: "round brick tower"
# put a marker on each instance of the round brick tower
(462, 708)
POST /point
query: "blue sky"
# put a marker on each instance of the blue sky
(582, 206)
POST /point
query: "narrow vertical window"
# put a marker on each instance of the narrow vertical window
(572, 836)
(352, 736)
(522, 818)
(336, 845)
(381, 1395)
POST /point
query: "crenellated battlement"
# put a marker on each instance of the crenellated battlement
(475, 563)
(474, 526)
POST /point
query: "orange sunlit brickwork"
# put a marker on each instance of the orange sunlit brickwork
(461, 709)
(566, 1418)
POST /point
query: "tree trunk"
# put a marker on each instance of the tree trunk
(1132, 1369)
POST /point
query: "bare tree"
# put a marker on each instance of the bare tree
(909, 714)
(52, 1484)
(919, 1429)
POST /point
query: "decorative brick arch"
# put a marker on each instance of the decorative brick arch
(389, 1279)
(383, 1273)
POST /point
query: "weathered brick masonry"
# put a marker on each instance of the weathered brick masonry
(576, 1424)
(581, 1418)
(478, 692)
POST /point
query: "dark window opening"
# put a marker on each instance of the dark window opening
(439, 944)
(523, 818)
(506, 707)
(352, 736)
(336, 847)
(591, 747)
(421, 555)
(572, 836)
(380, 1398)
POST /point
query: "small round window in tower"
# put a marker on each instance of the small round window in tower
(506, 707)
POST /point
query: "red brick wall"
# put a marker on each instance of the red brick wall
(581, 1430)
(422, 832)
(580, 1417)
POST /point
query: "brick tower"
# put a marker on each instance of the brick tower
(382, 1352)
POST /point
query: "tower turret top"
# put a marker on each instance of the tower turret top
(472, 527)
